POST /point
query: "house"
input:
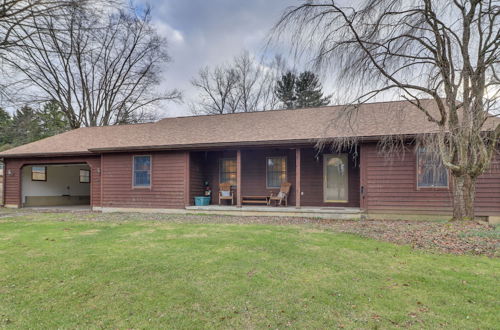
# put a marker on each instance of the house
(162, 166)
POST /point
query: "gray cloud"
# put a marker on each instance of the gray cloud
(202, 32)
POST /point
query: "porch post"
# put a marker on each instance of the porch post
(298, 189)
(187, 177)
(238, 178)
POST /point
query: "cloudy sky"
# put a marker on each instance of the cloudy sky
(210, 32)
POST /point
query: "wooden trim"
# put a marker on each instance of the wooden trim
(238, 178)
(4, 183)
(298, 189)
(363, 186)
(150, 172)
(187, 181)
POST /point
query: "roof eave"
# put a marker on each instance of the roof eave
(43, 155)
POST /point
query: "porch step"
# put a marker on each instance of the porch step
(339, 213)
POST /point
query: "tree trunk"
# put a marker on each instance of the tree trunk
(464, 193)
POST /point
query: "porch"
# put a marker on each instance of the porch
(321, 182)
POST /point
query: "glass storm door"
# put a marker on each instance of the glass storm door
(335, 178)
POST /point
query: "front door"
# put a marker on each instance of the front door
(335, 178)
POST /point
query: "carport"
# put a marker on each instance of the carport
(47, 185)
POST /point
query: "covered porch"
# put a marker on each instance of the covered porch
(321, 182)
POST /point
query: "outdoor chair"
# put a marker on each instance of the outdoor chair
(282, 197)
(226, 193)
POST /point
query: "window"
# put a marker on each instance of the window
(227, 171)
(142, 171)
(1, 169)
(275, 172)
(84, 176)
(38, 173)
(431, 172)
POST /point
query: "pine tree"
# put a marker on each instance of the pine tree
(285, 90)
(5, 129)
(308, 91)
(52, 120)
(25, 126)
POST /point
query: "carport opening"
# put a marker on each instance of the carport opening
(56, 185)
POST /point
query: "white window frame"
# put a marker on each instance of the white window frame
(150, 172)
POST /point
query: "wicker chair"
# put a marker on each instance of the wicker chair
(226, 193)
(282, 196)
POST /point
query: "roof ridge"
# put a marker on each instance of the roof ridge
(283, 110)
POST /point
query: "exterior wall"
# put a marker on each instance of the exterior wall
(13, 176)
(390, 186)
(167, 181)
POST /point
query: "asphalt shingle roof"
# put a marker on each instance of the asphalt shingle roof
(279, 126)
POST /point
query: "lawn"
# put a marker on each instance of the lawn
(80, 271)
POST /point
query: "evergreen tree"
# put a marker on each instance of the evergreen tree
(25, 126)
(52, 120)
(308, 91)
(285, 90)
(5, 129)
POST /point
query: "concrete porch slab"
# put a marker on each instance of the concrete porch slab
(341, 213)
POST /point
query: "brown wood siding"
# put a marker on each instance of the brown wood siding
(312, 180)
(14, 165)
(167, 181)
(253, 178)
(390, 187)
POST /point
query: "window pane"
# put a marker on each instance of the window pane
(276, 171)
(39, 173)
(227, 171)
(142, 171)
(430, 170)
(84, 176)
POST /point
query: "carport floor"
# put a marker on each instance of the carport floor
(64, 208)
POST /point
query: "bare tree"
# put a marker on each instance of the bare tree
(16, 15)
(217, 90)
(444, 50)
(102, 69)
(243, 85)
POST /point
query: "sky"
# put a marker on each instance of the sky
(210, 32)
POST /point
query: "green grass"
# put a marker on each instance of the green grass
(56, 272)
